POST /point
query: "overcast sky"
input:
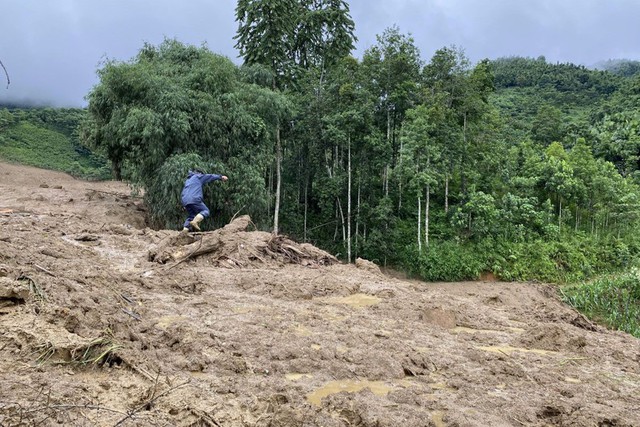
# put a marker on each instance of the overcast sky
(52, 48)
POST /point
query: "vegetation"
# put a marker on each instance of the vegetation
(448, 170)
(48, 138)
(613, 300)
(445, 169)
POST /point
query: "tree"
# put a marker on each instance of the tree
(173, 100)
(6, 118)
(393, 66)
(288, 36)
(547, 126)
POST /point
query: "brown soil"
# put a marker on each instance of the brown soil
(105, 322)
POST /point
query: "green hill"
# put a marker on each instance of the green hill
(47, 138)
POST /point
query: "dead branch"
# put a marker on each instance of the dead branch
(99, 408)
(44, 270)
(149, 402)
(204, 417)
(132, 314)
(6, 73)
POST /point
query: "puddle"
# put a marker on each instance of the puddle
(508, 350)
(296, 376)
(166, 321)
(465, 330)
(378, 388)
(356, 300)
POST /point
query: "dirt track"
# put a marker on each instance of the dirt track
(93, 332)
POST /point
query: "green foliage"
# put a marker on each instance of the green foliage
(531, 169)
(447, 261)
(163, 196)
(30, 144)
(289, 36)
(611, 299)
(174, 100)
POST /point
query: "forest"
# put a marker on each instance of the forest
(512, 167)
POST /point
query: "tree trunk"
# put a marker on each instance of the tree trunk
(446, 194)
(358, 217)
(463, 178)
(276, 212)
(342, 220)
(349, 200)
(400, 180)
(306, 207)
(560, 215)
(426, 216)
(419, 223)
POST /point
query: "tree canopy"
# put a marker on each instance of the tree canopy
(443, 167)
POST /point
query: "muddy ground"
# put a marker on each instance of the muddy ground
(106, 322)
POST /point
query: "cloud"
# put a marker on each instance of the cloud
(53, 48)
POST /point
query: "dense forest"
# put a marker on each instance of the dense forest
(442, 168)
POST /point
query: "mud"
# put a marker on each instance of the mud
(106, 322)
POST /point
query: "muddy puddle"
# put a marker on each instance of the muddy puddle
(356, 300)
(379, 388)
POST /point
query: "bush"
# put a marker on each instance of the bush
(33, 145)
(613, 300)
(449, 261)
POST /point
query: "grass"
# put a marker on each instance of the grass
(613, 300)
(98, 351)
(29, 144)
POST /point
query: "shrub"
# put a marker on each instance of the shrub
(612, 299)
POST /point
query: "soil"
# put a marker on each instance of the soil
(106, 322)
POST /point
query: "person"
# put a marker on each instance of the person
(192, 198)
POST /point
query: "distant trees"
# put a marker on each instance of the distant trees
(290, 38)
(443, 167)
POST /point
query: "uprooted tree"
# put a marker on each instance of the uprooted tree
(233, 246)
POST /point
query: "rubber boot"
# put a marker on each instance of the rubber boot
(194, 223)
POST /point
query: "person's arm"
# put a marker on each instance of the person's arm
(208, 177)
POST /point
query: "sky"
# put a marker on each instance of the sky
(53, 48)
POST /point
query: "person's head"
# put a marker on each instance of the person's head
(196, 170)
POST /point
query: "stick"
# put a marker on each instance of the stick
(5, 71)
(42, 408)
(44, 270)
(132, 314)
(236, 214)
(149, 402)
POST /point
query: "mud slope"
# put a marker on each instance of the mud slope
(105, 322)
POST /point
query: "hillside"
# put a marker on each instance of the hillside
(107, 322)
(47, 138)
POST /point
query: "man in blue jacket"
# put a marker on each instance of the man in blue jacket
(192, 198)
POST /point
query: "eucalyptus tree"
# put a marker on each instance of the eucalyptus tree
(290, 37)
(444, 78)
(425, 136)
(393, 67)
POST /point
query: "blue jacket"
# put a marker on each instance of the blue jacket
(192, 191)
